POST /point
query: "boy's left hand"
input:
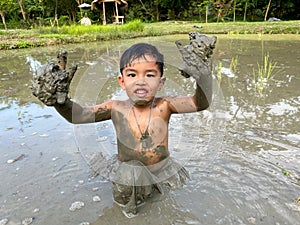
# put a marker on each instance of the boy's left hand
(197, 56)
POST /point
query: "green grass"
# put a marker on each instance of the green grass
(79, 30)
(264, 73)
(282, 27)
(234, 63)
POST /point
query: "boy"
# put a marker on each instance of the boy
(141, 124)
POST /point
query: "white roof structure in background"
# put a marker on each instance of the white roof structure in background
(84, 5)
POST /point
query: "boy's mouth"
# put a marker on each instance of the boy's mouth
(141, 93)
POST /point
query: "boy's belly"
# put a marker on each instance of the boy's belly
(147, 157)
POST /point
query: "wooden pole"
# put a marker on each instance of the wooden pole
(104, 17)
(117, 18)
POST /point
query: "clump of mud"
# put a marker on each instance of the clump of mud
(51, 82)
(197, 62)
(197, 55)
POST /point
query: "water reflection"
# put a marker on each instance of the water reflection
(253, 178)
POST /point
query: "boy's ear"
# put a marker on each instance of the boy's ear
(162, 82)
(121, 81)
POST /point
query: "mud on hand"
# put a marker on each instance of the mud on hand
(51, 82)
(196, 56)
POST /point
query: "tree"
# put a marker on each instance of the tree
(69, 7)
(204, 6)
(245, 10)
(268, 7)
(6, 6)
(222, 7)
(240, 8)
(22, 9)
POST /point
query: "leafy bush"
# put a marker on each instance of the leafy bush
(64, 20)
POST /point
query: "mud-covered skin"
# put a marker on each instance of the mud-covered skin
(128, 144)
(51, 82)
(197, 55)
(197, 63)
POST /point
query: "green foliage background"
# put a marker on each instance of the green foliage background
(42, 12)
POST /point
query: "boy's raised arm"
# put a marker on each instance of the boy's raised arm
(197, 63)
(50, 84)
(201, 98)
(75, 113)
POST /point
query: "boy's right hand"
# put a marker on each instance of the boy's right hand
(51, 82)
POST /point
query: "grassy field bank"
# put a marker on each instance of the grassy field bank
(45, 36)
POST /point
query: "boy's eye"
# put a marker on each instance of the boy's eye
(150, 75)
(131, 75)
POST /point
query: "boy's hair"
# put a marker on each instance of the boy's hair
(141, 50)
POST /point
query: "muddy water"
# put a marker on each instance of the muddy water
(243, 153)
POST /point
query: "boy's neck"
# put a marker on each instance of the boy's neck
(143, 103)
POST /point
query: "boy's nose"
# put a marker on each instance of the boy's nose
(141, 81)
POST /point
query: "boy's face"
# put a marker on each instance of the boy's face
(141, 80)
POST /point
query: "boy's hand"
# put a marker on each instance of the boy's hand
(51, 82)
(197, 56)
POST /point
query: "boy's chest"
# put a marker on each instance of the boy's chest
(150, 125)
(147, 133)
(141, 131)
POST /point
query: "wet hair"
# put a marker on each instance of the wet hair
(141, 50)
